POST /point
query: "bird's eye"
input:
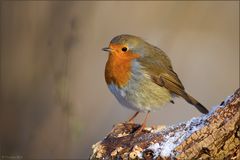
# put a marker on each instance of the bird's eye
(124, 49)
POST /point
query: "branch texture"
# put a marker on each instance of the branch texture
(212, 136)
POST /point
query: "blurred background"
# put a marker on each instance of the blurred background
(54, 100)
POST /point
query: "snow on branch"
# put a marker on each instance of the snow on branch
(215, 135)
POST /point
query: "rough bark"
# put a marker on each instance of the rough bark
(212, 136)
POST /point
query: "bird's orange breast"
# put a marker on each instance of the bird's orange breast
(118, 68)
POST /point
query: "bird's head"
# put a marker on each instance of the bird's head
(126, 47)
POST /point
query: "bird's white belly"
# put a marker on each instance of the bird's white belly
(141, 95)
(120, 94)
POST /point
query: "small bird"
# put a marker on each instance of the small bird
(141, 76)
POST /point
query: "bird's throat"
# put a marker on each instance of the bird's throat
(118, 70)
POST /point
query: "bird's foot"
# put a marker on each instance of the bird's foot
(130, 122)
(139, 131)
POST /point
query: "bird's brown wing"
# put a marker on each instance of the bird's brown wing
(158, 66)
(174, 85)
(170, 81)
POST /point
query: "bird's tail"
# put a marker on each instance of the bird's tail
(194, 102)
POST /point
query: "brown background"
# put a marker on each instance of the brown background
(54, 100)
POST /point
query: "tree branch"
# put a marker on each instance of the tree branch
(212, 136)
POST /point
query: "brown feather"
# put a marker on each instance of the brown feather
(175, 88)
(158, 66)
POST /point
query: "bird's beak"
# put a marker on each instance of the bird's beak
(107, 49)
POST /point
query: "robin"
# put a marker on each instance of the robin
(141, 76)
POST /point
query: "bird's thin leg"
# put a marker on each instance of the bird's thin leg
(144, 123)
(131, 119)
